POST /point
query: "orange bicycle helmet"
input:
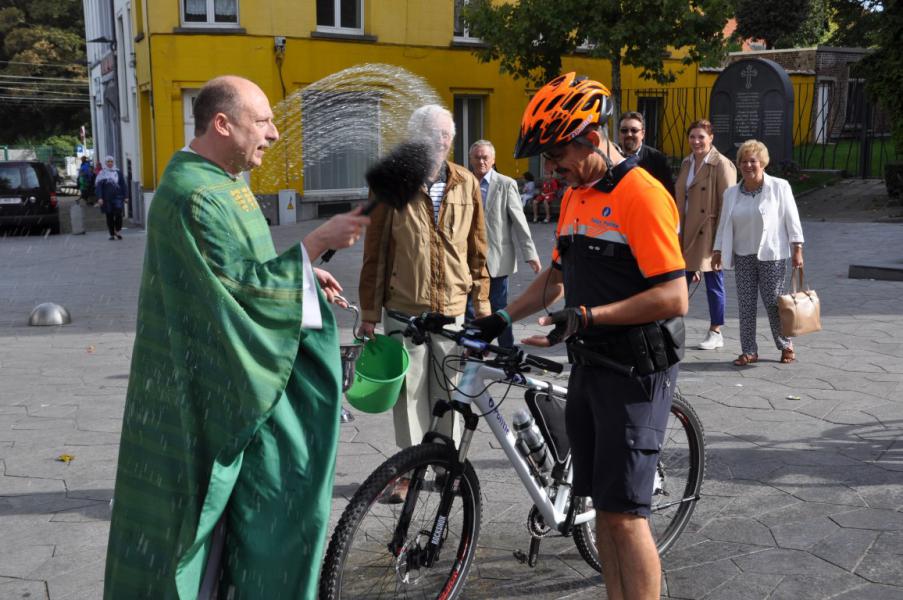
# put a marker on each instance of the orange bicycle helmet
(560, 111)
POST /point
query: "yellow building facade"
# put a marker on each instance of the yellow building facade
(180, 44)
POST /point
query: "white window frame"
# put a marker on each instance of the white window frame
(210, 22)
(337, 18)
(465, 33)
(463, 135)
(188, 96)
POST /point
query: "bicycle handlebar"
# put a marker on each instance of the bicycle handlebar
(430, 322)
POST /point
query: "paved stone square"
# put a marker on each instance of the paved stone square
(802, 499)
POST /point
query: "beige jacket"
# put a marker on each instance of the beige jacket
(412, 264)
(506, 227)
(700, 207)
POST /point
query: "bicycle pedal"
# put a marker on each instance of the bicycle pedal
(520, 556)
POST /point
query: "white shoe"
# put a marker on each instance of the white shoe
(713, 339)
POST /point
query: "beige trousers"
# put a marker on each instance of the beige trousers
(423, 386)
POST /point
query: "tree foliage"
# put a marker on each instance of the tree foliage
(529, 37)
(783, 23)
(883, 69)
(856, 22)
(42, 43)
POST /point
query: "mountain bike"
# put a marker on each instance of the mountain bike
(424, 546)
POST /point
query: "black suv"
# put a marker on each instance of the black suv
(28, 195)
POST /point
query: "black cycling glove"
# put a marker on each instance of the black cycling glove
(488, 328)
(568, 322)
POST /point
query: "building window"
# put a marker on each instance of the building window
(340, 16)
(210, 13)
(188, 98)
(461, 33)
(335, 165)
(855, 103)
(468, 125)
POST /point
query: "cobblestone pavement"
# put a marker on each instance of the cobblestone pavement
(803, 495)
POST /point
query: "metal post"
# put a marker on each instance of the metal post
(865, 150)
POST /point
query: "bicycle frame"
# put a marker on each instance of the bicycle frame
(473, 389)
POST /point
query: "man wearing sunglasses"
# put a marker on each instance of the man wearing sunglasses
(631, 135)
(619, 267)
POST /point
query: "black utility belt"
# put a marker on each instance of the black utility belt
(639, 350)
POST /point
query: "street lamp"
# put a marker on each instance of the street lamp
(104, 40)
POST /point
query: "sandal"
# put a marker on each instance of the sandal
(788, 355)
(746, 359)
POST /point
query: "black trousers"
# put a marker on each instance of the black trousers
(114, 221)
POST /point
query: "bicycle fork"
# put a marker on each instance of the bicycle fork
(426, 557)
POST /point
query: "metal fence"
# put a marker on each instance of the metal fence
(834, 127)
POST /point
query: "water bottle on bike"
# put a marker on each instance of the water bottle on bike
(530, 441)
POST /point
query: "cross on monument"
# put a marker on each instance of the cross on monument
(748, 73)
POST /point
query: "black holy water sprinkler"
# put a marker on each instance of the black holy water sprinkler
(396, 178)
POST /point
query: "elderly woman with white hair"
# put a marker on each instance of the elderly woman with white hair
(758, 231)
(112, 194)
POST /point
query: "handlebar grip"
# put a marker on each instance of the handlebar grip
(544, 363)
(398, 316)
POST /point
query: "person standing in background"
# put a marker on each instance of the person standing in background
(505, 225)
(758, 231)
(631, 135)
(111, 196)
(699, 191)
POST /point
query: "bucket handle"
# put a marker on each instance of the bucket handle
(357, 316)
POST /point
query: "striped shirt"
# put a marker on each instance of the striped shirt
(437, 191)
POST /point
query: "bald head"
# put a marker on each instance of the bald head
(233, 123)
(219, 95)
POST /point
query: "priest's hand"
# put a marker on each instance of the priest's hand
(330, 287)
(341, 231)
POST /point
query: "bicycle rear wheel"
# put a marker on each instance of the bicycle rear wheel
(378, 550)
(678, 482)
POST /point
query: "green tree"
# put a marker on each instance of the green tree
(783, 23)
(529, 37)
(43, 76)
(883, 68)
(856, 22)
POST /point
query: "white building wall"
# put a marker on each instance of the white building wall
(114, 116)
(130, 160)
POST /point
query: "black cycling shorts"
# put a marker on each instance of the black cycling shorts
(616, 426)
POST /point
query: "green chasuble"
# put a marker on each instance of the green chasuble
(232, 409)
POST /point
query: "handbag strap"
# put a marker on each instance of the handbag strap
(796, 280)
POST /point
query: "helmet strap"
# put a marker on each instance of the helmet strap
(605, 157)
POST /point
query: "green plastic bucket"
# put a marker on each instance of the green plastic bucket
(378, 375)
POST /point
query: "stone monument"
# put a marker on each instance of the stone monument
(753, 99)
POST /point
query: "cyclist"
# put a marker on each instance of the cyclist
(618, 264)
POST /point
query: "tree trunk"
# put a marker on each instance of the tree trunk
(615, 94)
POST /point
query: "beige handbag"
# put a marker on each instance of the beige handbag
(800, 310)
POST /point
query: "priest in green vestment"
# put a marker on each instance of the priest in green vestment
(229, 436)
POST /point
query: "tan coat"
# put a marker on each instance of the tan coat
(700, 207)
(412, 265)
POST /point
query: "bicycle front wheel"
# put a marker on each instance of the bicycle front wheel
(382, 550)
(678, 482)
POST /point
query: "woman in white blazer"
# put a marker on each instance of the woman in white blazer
(758, 231)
